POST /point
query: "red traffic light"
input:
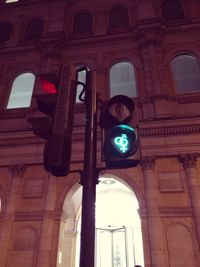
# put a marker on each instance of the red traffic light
(47, 86)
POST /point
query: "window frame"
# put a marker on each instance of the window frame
(25, 39)
(118, 28)
(174, 20)
(179, 92)
(134, 76)
(3, 23)
(11, 83)
(85, 33)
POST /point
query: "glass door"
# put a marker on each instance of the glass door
(111, 247)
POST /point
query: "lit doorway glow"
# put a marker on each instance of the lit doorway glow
(118, 226)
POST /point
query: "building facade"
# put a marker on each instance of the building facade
(148, 50)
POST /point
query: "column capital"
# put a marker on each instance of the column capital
(17, 170)
(189, 160)
(148, 163)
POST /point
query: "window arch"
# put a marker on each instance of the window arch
(118, 18)
(5, 30)
(172, 10)
(21, 92)
(122, 79)
(34, 29)
(83, 23)
(186, 73)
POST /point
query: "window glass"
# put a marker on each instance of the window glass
(172, 10)
(83, 23)
(81, 78)
(122, 80)
(5, 30)
(34, 29)
(186, 72)
(118, 17)
(21, 92)
(11, 1)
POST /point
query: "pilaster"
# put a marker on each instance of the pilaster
(155, 227)
(189, 162)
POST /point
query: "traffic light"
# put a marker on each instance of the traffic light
(46, 103)
(56, 104)
(120, 137)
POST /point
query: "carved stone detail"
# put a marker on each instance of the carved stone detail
(170, 130)
(148, 163)
(189, 160)
(17, 170)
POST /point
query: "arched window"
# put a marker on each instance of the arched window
(118, 18)
(34, 29)
(83, 23)
(172, 10)
(186, 73)
(21, 92)
(122, 80)
(5, 31)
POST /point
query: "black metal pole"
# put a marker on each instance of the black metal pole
(88, 179)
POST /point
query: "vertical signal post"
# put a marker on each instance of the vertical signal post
(89, 176)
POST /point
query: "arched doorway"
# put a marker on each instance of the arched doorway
(118, 226)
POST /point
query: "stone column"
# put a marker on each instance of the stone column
(47, 240)
(189, 162)
(155, 228)
(17, 172)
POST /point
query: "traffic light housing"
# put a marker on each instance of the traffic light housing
(120, 137)
(46, 99)
(55, 124)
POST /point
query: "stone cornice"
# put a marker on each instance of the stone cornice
(143, 132)
(40, 215)
(79, 137)
(22, 141)
(176, 212)
(170, 130)
(165, 212)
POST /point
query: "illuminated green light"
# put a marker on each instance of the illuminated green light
(122, 140)
(126, 127)
(122, 143)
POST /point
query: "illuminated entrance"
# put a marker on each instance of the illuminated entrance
(118, 226)
(112, 247)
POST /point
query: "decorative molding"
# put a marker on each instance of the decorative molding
(21, 141)
(29, 216)
(189, 160)
(169, 212)
(176, 212)
(17, 170)
(37, 141)
(170, 130)
(148, 163)
(40, 215)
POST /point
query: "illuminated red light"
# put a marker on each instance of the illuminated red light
(47, 86)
